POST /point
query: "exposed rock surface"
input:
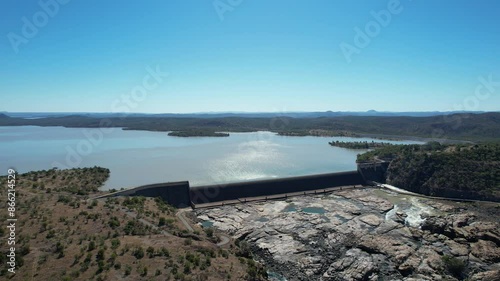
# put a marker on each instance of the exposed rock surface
(367, 234)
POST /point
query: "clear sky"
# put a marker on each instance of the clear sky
(249, 55)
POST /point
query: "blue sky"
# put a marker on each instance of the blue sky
(249, 55)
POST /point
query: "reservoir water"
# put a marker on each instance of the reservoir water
(142, 157)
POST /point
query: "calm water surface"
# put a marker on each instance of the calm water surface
(142, 157)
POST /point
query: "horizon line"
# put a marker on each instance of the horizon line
(259, 112)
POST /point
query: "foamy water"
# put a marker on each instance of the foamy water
(413, 207)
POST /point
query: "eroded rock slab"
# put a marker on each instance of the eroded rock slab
(365, 234)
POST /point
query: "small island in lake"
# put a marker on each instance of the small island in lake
(318, 133)
(359, 144)
(197, 133)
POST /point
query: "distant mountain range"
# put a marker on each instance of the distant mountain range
(443, 125)
(314, 114)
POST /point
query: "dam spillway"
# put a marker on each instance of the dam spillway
(181, 194)
(258, 188)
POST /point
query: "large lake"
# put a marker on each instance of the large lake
(142, 157)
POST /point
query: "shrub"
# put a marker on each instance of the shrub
(138, 253)
(128, 270)
(118, 265)
(114, 222)
(115, 243)
(209, 232)
(151, 252)
(454, 265)
(164, 252)
(64, 199)
(91, 246)
(100, 255)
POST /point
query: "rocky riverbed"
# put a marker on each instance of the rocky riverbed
(366, 234)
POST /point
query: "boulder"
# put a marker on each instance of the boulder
(371, 219)
(486, 251)
(457, 249)
(355, 265)
(492, 275)
(396, 249)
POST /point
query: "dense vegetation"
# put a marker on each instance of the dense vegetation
(484, 126)
(359, 144)
(79, 181)
(318, 133)
(388, 153)
(197, 133)
(459, 171)
(62, 234)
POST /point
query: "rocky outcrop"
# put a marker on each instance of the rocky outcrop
(366, 234)
(492, 275)
(450, 172)
(355, 265)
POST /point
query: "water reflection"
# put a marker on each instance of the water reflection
(142, 157)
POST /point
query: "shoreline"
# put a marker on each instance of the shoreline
(277, 133)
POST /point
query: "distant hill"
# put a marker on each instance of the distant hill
(313, 114)
(475, 127)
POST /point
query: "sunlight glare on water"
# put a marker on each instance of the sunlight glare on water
(142, 157)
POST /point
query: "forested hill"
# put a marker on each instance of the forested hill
(457, 171)
(485, 126)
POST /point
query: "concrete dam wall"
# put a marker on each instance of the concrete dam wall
(373, 171)
(174, 193)
(181, 194)
(233, 191)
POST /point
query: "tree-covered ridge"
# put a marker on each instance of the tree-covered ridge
(484, 126)
(317, 133)
(77, 181)
(197, 133)
(389, 152)
(359, 144)
(459, 171)
(61, 235)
